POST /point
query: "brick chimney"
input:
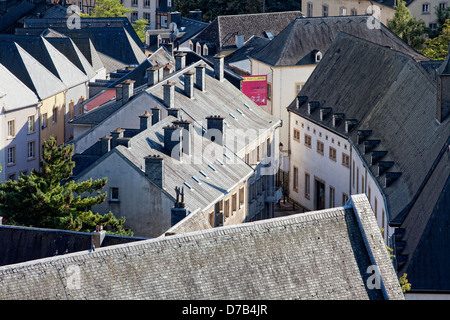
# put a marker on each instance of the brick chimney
(156, 115)
(105, 144)
(200, 81)
(180, 60)
(189, 84)
(219, 67)
(214, 126)
(169, 94)
(172, 140)
(154, 169)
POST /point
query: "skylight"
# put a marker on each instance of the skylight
(196, 179)
(212, 167)
(188, 185)
(204, 173)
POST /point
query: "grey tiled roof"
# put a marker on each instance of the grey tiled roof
(317, 255)
(294, 45)
(389, 93)
(223, 29)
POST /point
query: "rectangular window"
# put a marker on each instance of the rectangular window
(295, 186)
(333, 154)
(345, 160)
(307, 141)
(309, 10)
(344, 198)
(147, 4)
(55, 114)
(297, 135)
(369, 191)
(269, 91)
(12, 177)
(357, 180)
(320, 147)
(134, 16)
(44, 121)
(354, 12)
(134, 3)
(325, 10)
(269, 153)
(382, 223)
(343, 11)
(31, 124)
(363, 189)
(11, 128)
(298, 88)
(307, 185)
(426, 8)
(241, 197)
(115, 194)
(234, 202)
(442, 5)
(332, 197)
(11, 155)
(376, 207)
(30, 149)
(227, 208)
(147, 16)
(258, 154)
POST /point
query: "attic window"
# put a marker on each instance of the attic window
(317, 56)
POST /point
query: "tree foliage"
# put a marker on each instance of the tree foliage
(406, 27)
(139, 27)
(437, 48)
(108, 9)
(48, 199)
(213, 8)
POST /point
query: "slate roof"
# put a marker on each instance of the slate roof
(322, 255)
(203, 193)
(222, 30)
(13, 93)
(114, 38)
(239, 58)
(422, 241)
(50, 58)
(29, 71)
(294, 45)
(389, 93)
(21, 244)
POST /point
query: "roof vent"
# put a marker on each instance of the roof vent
(391, 177)
(362, 135)
(369, 145)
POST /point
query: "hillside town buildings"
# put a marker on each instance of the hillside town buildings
(354, 137)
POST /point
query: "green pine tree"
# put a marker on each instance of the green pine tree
(49, 199)
(139, 26)
(437, 48)
(406, 27)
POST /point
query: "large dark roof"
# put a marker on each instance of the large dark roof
(223, 29)
(319, 255)
(389, 93)
(294, 45)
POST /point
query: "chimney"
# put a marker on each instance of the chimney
(195, 15)
(156, 115)
(214, 130)
(126, 142)
(152, 75)
(169, 94)
(174, 112)
(200, 81)
(189, 84)
(218, 67)
(116, 134)
(154, 169)
(443, 92)
(172, 140)
(179, 211)
(180, 60)
(125, 90)
(145, 121)
(97, 237)
(239, 41)
(105, 144)
(186, 134)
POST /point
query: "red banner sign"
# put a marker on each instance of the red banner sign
(255, 87)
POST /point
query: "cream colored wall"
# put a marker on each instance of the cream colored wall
(334, 7)
(55, 129)
(416, 9)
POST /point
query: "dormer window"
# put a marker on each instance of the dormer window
(317, 56)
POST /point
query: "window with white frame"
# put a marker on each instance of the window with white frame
(11, 155)
(31, 124)
(11, 128)
(146, 3)
(309, 9)
(30, 149)
(325, 10)
(426, 8)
